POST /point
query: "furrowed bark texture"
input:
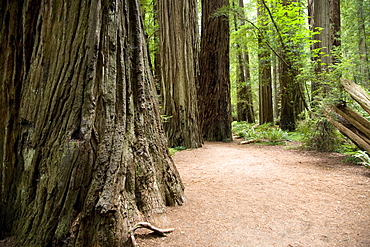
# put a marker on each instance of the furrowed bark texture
(178, 36)
(325, 16)
(214, 79)
(83, 156)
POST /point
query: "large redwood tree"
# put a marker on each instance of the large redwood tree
(82, 153)
(178, 58)
(214, 79)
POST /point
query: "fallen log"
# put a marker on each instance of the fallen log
(357, 120)
(350, 123)
(357, 93)
(247, 141)
(351, 134)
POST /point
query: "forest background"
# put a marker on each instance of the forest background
(287, 59)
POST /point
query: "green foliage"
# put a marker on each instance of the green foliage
(354, 31)
(176, 149)
(358, 157)
(172, 151)
(150, 26)
(165, 118)
(265, 133)
(285, 32)
(364, 157)
(320, 135)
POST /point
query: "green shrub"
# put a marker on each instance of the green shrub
(266, 133)
(320, 135)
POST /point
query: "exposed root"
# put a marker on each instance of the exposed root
(147, 225)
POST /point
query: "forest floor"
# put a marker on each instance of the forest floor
(257, 195)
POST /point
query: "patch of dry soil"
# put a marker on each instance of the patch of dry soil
(252, 195)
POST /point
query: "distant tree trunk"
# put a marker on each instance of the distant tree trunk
(335, 24)
(214, 80)
(319, 11)
(178, 53)
(244, 108)
(82, 152)
(264, 67)
(275, 87)
(292, 96)
(362, 44)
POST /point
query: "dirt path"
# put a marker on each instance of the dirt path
(250, 195)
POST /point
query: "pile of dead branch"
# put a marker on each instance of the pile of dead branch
(349, 122)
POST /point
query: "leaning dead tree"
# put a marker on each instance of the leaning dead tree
(350, 123)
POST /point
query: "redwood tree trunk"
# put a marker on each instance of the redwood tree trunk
(214, 81)
(82, 154)
(319, 11)
(364, 68)
(266, 114)
(244, 108)
(178, 53)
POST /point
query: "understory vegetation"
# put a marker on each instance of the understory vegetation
(313, 134)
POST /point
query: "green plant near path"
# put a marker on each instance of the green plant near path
(320, 135)
(265, 133)
(176, 149)
(364, 157)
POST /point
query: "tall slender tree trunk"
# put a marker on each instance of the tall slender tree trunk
(264, 67)
(83, 155)
(319, 11)
(244, 108)
(214, 79)
(362, 45)
(178, 53)
(275, 87)
(291, 96)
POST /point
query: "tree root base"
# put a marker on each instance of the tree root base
(147, 225)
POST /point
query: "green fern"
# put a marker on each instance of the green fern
(364, 157)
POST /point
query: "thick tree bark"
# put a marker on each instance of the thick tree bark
(178, 46)
(83, 156)
(214, 80)
(319, 10)
(325, 16)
